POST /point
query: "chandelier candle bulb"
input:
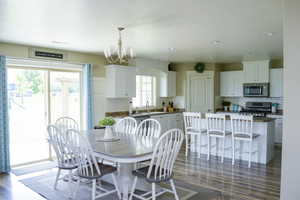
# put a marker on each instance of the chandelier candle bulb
(119, 54)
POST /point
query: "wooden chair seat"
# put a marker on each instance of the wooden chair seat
(67, 164)
(93, 173)
(193, 131)
(245, 136)
(217, 133)
(143, 172)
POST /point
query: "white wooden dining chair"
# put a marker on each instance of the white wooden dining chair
(216, 128)
(126, 125)
(65, 156)
(194, 126)
(161, 166)
(149, 128)
(242, 131)
(88, 166)
(66, 123)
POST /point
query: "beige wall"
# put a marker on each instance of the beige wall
(182, 68)
(290, 174)
(22, 51)
(275, 63)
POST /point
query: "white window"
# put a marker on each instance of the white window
(145, 91)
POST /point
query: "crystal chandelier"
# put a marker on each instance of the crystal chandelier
(119, 54)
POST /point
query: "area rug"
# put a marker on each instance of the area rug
(43, 185)
(19, 171)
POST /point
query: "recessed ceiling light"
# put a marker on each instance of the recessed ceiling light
(269, 34)
(216, 43)
(172, 49)
(58, 42)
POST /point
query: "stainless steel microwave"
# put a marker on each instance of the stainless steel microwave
(256, 89)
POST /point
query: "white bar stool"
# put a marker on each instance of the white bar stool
(193, 126)
(216, 128)
(242, 130)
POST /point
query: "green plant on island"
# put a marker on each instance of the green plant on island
(107, 121)
(226, 103)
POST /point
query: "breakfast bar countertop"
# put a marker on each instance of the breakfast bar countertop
(159, 112)
(255, 119)
(142, 113)
(258, 119)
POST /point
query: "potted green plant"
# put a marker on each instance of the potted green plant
(226, 105)
(108, 123)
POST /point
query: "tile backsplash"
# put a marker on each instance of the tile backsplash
(242, 100)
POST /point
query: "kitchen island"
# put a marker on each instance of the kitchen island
(264, 144)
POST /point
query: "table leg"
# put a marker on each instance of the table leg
(125, 180)
(125, 177)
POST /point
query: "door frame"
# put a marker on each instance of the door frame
(187, 95)
(48, 100)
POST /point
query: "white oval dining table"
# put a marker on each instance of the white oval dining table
(127, 150)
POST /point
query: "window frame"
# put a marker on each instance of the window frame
(153, 91)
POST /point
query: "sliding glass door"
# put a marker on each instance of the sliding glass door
(65, 98)
(27, 115)
(38, 97)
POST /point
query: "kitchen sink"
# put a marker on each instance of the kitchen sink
(146, 113)
(153, 113)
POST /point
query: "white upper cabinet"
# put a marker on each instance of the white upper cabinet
(231, 84)
(120, 81)
(168, 84)
(276, 82)
(256, 72)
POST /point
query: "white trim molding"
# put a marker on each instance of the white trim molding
(42, 64)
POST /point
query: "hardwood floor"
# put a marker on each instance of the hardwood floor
(260, 182)
(235, 182)
(12, 189)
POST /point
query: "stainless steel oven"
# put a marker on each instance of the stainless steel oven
(256, 89)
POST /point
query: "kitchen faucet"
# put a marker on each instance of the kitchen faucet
(147, 106)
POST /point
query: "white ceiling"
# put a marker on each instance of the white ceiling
(153, 26)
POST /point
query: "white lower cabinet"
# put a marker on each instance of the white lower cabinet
(278, 128)
(278, 131)
(169, 121)
(163, 122)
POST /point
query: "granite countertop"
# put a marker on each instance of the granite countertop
(154, 113)
(263, 119)
(257, 119)
(279, 112)
(142, 113)
(160, 112)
